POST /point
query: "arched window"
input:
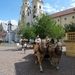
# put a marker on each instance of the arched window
(22, 15)
(40, 6)
(58, 20)
(28, 13)
(65, 18)
(34, 6)
(73, 17)
(65, 25)
(28, 24)
(22, 11)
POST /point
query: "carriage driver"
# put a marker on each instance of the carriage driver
(47, 40)
(38, 40)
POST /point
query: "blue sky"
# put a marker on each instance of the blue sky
(10, 9)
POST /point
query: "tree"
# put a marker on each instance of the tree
(26, 31)
(21, 26)
(57, 32)
(29, 33)
(70, 27)
(46, 26)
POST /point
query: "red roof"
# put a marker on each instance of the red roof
(61, 13)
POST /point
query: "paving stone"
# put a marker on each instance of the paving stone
(13, 61)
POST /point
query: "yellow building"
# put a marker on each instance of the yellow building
(64, 17)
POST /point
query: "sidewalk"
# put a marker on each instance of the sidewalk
(15, 62)
(19, 47)
(9, 47)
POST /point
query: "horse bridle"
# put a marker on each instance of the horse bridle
(57, 51)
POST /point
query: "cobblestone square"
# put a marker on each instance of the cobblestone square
(13, 61)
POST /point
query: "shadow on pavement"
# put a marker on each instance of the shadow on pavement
(27, 67)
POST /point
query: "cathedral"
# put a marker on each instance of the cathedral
(28, 13)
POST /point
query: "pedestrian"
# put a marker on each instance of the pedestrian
(25, 47)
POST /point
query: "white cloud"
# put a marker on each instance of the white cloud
(3, 21)
(72, 5)
(14, 22)
(48, 8)
(56, 7)
(73, 0)
(56, 3)
(63, 8)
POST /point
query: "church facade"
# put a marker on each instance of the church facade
(8, 32)
(28, 13)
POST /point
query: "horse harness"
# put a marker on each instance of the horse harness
(41, 52)
(58, 52)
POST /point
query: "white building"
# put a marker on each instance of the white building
(29, 13)
(4, 32)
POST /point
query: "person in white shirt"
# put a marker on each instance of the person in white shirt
(38, 40)
(25, 47)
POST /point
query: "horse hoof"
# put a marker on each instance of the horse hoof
(57, 68)
(41, 71)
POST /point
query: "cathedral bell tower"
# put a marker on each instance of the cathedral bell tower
(25, 5)
(37, 8)
(26, 11)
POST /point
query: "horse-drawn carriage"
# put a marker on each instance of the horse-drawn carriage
(50, 51)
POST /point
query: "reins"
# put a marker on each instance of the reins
(41, 51)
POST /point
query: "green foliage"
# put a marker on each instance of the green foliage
(26, 31)
(57, 32)
(22, 23)
(21, 26)
(70, 27)
(29, 33)
(46, 26)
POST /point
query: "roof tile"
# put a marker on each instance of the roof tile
(61, 13)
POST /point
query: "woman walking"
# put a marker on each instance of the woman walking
(25, 47)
